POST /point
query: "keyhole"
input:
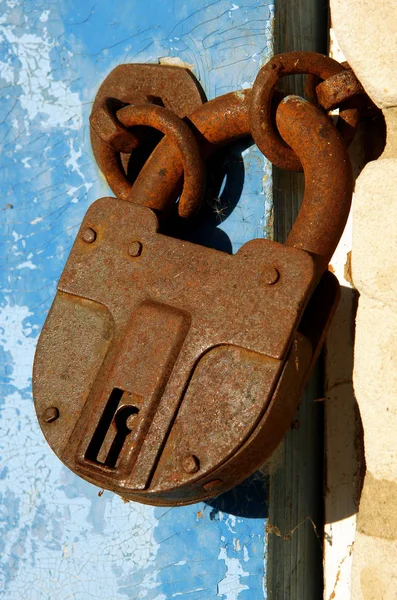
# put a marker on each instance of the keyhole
(114, 426)
(124, 420)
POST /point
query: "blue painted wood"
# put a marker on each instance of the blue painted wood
(59, 538)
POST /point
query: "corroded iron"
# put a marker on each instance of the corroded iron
(166, 339)
(338, 89)
(178, 368)
(183, 140)
(216, 123)
(263, 132)
(174, 88)
(321, 149)
(328, 178)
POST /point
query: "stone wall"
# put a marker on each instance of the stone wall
(367, 34)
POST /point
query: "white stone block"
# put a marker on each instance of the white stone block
(375, 384)
(374, 256)
(367, 33)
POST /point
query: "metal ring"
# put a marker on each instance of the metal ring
(328, 177)
(179, 134)
(217, 123)
(293, 63)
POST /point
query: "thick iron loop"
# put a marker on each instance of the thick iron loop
(216, 123)
(328, 178)
(263, 132)
(111, 132)
(183, 141)
(112, 168)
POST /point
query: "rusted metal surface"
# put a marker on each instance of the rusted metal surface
(263, 132)
(163, 320)
(328, 177)
(160, 342)
(337, 89)
(173, 87)
(182, 139)
(216, 123)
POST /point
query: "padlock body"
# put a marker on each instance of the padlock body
(175, 369)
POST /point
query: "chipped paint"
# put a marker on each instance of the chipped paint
(61, 537)
(175, 61)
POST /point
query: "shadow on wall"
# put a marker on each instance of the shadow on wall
(344, 443)
(225, 174)
(248, 499)
(344, 435)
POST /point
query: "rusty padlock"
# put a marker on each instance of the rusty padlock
(167, 371)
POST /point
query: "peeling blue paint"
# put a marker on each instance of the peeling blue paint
(58, 537)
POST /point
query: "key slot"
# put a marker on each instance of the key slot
(112, 430)
(124, 422)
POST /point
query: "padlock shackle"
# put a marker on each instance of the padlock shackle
(328, 177)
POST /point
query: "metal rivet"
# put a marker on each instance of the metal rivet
(270, 275)
(51, 414)
(135, 249)
(88, 235)
(191, 464)
(212, 486)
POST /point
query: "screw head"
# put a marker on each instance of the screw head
(135, 249)
(191, 464)
(51, 414)
(88, 235)
(270, 275)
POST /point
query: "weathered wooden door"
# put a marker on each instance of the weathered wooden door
(60, 537)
